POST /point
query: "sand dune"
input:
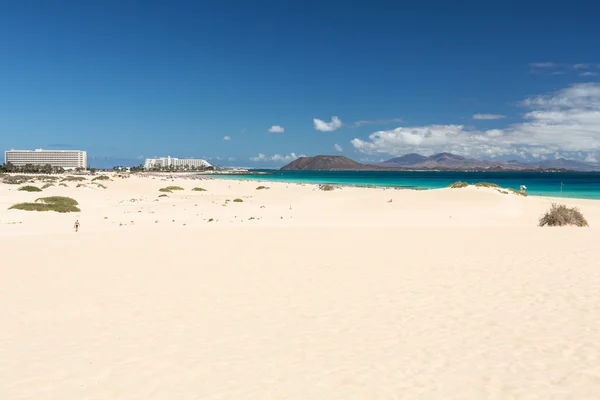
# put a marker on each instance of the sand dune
(449, 294)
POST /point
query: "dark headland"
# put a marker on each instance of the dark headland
(436, 162)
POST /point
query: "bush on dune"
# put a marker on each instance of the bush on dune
(30, 189)
(73, 179)
(262, 188)
(101, 178)
(47, 185)
(561, 215)
(16, 179)
(326, 188)
(54, 203)
(238, 200)
(458, 185)
(487, 185)
(170, 189)
(198, 189)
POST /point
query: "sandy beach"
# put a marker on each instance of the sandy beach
(296, 293)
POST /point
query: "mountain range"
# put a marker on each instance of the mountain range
(441, 161)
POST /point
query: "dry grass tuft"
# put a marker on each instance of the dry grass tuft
(73, 179)
(458, 185)
(561, 215)
(326, 188)
(487, 185)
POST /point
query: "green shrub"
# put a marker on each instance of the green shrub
(162, 195)
(165, 190)
(101, 178)
(73, 179)
(54, 203)
(30, 189)
(238, 200)
(262, 188)
(458, 185)
(561, 215)
(198, 189)
(210, 220)
(63, 185)
(100, 185)
(47, 185)
(486, 184)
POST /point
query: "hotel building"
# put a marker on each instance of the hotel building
(165, 162)
(68, 159)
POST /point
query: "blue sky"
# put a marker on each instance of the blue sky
(131, 79)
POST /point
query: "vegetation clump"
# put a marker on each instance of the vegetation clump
(73, 179)
(238, 200)
(326, 188)
(63, 185)
(101, 178)
(561, 215)
(30, 189)
(162, 195)
(16, 179)
(54, 203)
(458, 185)
(170, 189)
(100, 185)
(262, 188)
(198, 189)
(47, 185)
(487, 185)
(517, 192)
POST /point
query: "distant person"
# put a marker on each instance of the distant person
(77, 226)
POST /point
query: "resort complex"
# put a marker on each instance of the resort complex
(67, 159)
(176, 163)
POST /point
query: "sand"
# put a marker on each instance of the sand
(445, 294)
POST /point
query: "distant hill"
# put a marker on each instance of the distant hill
(450, 161)
(408, 159)
(325, 163)
(436, 162)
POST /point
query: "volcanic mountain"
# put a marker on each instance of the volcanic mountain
(326, 163)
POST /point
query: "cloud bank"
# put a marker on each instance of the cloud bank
(276, 157)
(338, 148)
(323, 126)
(563, 123)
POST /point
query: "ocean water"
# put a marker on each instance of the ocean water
(584, 185)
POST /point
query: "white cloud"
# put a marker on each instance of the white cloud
(276, 157)
(566, 121)
(588, 73)
(376, 121)
(276, 129)
(543, 65)
(327, 126)
(488, 116)
(227, 138)
(337, 147)
(581, 66)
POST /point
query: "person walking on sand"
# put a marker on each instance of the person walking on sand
(77, 226)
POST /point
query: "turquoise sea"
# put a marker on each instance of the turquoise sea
(584, 185)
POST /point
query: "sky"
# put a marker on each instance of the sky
(260, 83)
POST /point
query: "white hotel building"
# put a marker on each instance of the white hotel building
(68, 159)
(165, 162)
